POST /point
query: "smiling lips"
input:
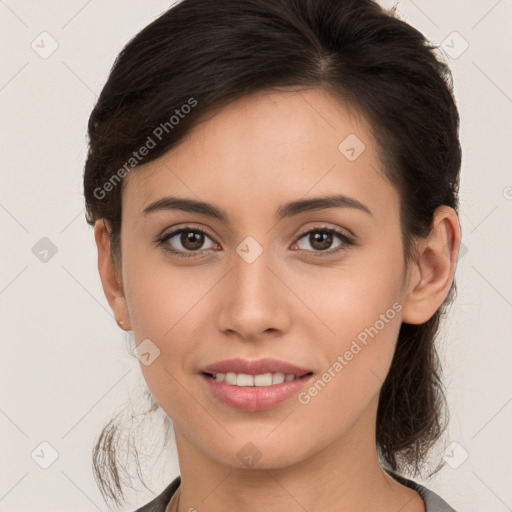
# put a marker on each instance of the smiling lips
(261, 379)
(254, 385)
(262, 372)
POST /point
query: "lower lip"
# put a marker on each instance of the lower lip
(255, 398)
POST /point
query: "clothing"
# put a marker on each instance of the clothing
(433, 502)
(167, 501)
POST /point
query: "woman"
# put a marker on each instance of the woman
(273, 187)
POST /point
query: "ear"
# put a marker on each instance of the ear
(431, 275)
(110, 275)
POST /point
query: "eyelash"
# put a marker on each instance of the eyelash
(347, 241)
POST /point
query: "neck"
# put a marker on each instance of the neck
(342, 476)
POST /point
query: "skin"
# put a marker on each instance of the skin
(254, 155)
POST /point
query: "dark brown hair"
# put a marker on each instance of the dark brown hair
(201, 54)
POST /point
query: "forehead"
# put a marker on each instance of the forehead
(275, 144)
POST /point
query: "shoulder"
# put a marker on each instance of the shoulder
(159, 503)
(433, 502)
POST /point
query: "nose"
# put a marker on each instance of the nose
(253, 302)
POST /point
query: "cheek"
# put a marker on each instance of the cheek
(167, 306)
(357, 357)
(358, 318)
(161, 298)
(163, 305)
(352, 297)
(359, 345)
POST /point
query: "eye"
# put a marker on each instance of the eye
(186, 241)
(322, 238)
(190, 241)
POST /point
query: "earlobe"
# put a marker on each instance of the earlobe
(432, 274)
(110, 275)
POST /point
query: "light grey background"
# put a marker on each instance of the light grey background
(64, 366)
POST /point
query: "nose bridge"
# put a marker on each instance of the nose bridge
(251, 271)
(252, 300)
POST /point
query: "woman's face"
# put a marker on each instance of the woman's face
(267, 281)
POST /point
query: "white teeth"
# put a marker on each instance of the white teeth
(243, 379)
(265, 379)
(277, 378)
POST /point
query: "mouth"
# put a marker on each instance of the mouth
(258, 380)
(253, 392)
(261, 372)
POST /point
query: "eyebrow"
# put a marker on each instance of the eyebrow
(287, 210)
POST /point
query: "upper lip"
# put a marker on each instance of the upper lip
(255, 367)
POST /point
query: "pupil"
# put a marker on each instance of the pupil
(320, 240)
(192, 240)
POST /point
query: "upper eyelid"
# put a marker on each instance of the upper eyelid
(173, 232)
(205, 230)
(325, 228)
(187, 227)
